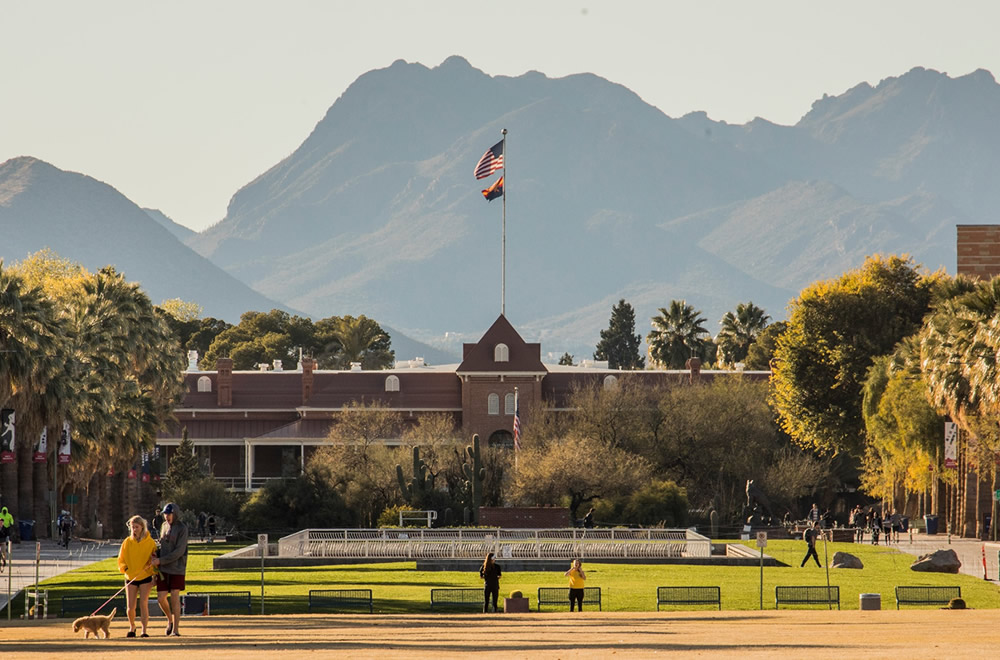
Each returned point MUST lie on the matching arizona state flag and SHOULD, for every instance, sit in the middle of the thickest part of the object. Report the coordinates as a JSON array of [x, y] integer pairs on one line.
[[494, 191]]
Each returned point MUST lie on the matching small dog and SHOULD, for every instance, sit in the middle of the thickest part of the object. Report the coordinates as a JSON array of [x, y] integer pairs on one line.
[[94, 623]]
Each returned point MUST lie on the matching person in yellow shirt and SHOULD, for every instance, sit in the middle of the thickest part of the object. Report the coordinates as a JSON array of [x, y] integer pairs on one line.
[[135, 561], [576, 580]]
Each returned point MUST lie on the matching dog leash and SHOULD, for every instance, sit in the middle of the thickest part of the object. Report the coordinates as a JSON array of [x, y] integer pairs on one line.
[[112, 598]]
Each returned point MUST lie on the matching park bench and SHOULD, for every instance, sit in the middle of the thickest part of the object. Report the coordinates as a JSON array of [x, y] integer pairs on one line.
[[216, 602], [688, 596], [76, 606], [926, 595], [442, 597], [815, 595], [338, 599], [560, 596]]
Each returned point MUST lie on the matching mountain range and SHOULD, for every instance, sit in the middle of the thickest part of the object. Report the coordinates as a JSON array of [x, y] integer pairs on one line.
[[377, 212]]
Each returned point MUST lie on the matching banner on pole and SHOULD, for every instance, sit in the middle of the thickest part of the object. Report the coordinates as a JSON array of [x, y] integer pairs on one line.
[[7, 435], [42, 447], [950, 445], [64, 442]]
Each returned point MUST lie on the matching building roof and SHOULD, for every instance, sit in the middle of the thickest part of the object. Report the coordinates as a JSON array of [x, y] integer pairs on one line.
[[522, 356]]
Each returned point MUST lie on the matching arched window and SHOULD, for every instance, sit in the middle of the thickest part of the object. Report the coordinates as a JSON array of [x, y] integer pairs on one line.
[[503, 439], [392, 383], [204, 384], [493, 404], [508, 404], [610, 382], [501, 353]]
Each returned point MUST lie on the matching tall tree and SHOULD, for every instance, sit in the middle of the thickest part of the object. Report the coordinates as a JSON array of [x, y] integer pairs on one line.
[[740, 330], [353, 339], [619, 344], [678, 334], [762, 350], [835, 331]]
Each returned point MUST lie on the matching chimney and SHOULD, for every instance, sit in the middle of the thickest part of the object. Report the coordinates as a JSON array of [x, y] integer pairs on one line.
[[278, 366], [225, 368], [694, 364], [308, 366], [192, 361]]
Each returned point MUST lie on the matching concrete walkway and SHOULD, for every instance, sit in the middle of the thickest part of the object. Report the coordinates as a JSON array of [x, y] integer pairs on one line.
[[969, 551], [53, 560]]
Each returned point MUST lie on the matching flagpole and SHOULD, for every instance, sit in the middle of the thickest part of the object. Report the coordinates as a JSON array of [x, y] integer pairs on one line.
[[517, 414], [503, 240]]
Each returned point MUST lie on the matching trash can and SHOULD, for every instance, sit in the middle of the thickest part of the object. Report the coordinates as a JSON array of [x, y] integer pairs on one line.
[[25, 528], [871, 601], [931, 524]]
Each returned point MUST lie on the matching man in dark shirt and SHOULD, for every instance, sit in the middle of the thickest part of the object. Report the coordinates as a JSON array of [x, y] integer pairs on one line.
[[809, 536]]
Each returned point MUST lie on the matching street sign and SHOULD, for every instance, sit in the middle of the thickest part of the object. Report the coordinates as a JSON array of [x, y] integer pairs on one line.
[[761, 539], [262, 542], [996, 495]]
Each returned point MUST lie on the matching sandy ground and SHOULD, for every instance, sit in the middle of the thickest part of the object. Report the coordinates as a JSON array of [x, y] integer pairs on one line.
[[906, 634]]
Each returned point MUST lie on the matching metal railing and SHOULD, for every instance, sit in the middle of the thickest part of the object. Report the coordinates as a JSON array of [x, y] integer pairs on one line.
[[409, 543]]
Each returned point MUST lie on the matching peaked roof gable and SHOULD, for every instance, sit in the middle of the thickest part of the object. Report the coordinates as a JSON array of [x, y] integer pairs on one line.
[[522, 356]]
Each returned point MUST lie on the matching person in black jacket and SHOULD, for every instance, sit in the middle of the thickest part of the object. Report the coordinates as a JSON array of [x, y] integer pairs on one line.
[[490, 573], [809, 536]]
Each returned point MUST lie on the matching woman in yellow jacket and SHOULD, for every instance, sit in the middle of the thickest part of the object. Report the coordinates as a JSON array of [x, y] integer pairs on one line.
[[134, 561]]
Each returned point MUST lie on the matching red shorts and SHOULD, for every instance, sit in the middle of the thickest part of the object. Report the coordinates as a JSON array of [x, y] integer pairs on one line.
[[169, 582]]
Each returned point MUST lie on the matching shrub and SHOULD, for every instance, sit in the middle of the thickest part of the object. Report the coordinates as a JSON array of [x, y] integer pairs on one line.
[[516, 594], [658, 503], [208, 495], [295, 504]]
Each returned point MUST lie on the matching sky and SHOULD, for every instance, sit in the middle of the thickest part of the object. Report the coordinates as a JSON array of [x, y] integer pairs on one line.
[[179, 104]]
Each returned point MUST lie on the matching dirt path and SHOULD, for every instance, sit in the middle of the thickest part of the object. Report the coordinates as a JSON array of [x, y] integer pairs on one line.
[[888, 633]]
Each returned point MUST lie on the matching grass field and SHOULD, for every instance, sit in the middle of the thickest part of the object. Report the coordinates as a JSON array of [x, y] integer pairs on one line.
[[400, 588]]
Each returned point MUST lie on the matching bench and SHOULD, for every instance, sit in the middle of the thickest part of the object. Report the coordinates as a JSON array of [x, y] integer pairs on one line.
[[560, 596], [76, 606], [337, 599], [456, 597], [688, 596], [926, 595], [816, 595], [215, 602]]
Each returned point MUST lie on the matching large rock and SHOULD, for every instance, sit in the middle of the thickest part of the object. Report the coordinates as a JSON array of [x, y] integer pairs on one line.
[[940, 561], [846, 560]]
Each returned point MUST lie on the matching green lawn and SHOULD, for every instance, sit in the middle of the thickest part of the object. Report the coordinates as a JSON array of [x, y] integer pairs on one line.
[[400, 588]]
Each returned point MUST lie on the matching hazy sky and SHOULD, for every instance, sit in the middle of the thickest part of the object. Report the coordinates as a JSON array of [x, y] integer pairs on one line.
[[179, 104]]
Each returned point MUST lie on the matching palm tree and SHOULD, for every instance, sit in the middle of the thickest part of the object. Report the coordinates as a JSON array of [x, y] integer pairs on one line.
[[678, 334], [740, 330], [351, 339]]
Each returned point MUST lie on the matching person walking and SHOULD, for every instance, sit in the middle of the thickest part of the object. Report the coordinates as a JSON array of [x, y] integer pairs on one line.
[[809, 536], [202, 519], [172, 563], [577, 578], [135, 561], [588, 520], [211, 527], [815, 517], [156, 524], [490, 573]]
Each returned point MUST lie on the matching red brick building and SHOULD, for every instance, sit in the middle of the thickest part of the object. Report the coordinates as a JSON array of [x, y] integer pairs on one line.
[[978, 251], [250, 426]]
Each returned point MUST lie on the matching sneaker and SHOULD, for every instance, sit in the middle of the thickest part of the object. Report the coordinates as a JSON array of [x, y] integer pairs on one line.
[[170, 629], [143, 635]]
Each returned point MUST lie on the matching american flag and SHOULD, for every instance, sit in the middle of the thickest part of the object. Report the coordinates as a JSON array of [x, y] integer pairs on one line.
[[491, 161], [517, 424]]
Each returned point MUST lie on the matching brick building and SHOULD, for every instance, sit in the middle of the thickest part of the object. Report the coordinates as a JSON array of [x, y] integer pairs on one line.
[[251, 426], [978, 251]]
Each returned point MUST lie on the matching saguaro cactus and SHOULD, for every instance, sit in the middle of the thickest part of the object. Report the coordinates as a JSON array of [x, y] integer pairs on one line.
[[475, 474], [415, 491]]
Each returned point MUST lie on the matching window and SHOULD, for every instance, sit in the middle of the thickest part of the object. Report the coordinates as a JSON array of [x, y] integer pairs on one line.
[[501, 353], [610, 382], [508, 404], [493, 404], [204, 384], [392, 384]]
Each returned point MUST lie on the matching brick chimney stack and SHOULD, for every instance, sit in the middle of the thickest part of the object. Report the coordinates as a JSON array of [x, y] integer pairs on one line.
[[694, 364], [308, 366], [225, 368]]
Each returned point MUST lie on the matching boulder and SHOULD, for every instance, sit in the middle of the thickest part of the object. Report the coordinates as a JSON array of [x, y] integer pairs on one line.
[[939, 561], [846, 560]]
